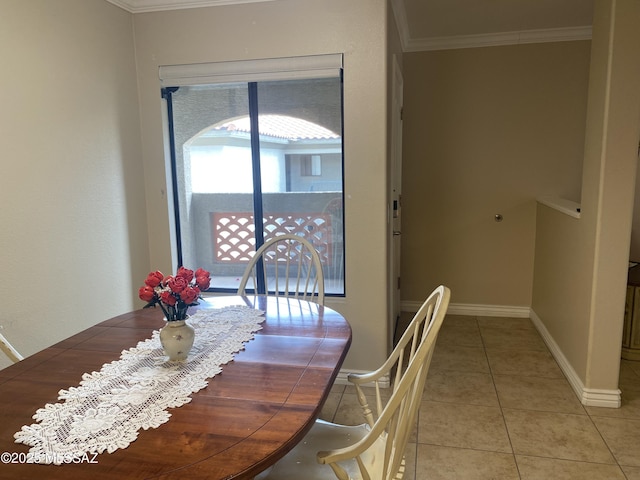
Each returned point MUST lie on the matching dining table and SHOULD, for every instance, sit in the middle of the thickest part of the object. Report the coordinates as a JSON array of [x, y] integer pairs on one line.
[[242, 420]]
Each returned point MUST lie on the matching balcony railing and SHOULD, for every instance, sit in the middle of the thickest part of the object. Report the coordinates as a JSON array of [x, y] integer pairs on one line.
[[222, 229], [234, 233]]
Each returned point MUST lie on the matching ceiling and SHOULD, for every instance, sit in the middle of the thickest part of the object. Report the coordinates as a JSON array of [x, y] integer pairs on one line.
[[442, 24]]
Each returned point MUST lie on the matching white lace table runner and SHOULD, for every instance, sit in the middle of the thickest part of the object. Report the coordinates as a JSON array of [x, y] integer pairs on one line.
[[109, 407]]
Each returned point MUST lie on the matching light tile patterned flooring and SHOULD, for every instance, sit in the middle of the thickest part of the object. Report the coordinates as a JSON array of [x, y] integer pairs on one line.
[[497, 406]]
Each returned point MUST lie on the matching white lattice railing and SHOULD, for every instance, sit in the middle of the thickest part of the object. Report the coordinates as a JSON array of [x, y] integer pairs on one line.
[[234, 239]]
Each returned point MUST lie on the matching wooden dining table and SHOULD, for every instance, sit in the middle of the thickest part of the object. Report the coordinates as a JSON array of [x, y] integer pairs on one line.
[[252, 413]]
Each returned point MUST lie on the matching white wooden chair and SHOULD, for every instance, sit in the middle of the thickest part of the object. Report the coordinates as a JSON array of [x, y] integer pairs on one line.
[[289, 266], [8, 349], [374, 450]]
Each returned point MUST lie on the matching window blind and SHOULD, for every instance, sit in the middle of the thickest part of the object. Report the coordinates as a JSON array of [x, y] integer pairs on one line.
[[314, 66]]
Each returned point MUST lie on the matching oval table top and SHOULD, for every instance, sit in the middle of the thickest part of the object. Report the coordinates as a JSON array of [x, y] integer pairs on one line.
[[248, 417]]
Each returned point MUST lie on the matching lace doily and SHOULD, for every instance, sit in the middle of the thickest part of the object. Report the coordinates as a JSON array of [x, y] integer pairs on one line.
[[109, 407]]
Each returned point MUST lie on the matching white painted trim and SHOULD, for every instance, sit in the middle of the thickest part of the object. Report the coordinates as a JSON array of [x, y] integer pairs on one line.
[[8, 349], [341, 379], [593, 397], [141, 6], [122, 4], [495, 39], [402, 24], [563, 205], [590, 397], [477, 310]]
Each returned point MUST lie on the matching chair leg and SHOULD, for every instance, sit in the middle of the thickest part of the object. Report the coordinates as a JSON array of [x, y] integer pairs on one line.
[[8, 349]]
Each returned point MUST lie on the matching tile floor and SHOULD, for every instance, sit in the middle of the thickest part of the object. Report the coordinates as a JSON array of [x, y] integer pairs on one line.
[[497, 406]]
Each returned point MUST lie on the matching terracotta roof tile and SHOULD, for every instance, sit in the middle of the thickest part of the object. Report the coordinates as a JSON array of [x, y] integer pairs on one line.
[[281, 126]]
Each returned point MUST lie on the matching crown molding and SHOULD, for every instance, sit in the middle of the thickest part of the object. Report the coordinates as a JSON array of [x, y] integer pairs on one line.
[[495, 39], [400, 15], [141, 6], [402, 24]]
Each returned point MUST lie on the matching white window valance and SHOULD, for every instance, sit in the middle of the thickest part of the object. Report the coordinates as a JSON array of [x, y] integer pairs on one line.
[[314, 66]]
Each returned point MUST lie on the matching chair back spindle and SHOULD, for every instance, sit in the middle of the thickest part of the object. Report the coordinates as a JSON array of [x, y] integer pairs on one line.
[[289, 266]]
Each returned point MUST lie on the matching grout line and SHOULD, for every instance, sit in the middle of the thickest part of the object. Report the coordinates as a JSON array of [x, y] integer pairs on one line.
[[493, 374], [495, 388]]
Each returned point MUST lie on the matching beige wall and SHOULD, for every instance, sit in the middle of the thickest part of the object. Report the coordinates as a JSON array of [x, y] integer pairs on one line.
[[279, 29], [487, 131], [562, 285], [73, 239], [634, 250], [581, 264]]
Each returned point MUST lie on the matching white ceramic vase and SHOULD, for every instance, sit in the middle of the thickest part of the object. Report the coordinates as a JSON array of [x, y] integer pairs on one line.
[[177, 338]]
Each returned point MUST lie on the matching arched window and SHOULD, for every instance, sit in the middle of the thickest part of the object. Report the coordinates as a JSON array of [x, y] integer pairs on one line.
[[220, 156]]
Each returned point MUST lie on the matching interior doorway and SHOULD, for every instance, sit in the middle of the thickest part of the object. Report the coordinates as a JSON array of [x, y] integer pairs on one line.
[[395, 198]]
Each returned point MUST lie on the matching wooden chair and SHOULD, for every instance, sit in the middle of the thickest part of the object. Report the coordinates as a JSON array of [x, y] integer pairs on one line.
[[288, 266], [374, 450], [8, 349]]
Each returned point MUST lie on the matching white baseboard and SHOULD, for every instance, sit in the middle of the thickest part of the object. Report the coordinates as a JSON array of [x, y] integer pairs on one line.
[[590, 397], [477, 310]]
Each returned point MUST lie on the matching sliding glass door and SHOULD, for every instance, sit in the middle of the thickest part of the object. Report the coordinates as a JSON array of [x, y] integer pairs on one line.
[[253, 160]]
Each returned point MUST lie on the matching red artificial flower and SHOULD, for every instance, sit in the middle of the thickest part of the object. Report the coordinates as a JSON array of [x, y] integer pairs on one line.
[[203, 282], [177, 284], [203, 279], [185, 273], [175, 294], [189, 295], [201, 272], [154, 279], [146, 293], [169, 298]]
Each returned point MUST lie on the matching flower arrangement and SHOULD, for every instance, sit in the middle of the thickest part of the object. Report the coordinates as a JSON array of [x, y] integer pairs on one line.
[[175, 294]]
